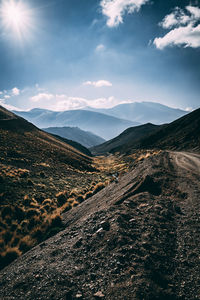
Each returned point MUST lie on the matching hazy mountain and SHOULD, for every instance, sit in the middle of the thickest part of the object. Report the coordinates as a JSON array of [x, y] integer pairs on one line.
[[85, 138], [98, 123], [126, 139], [143, 112], [182, 134]]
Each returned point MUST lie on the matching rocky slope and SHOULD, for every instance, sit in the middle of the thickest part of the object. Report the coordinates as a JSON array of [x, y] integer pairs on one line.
[[136, 239]]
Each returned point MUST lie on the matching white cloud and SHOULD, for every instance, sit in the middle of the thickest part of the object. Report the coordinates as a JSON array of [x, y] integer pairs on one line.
[[41, 96], [7, 96], [186, 30], [8, 106], [1, 92], [177, 17], [15, 91], [60, 102], [114, 10], [189, 109], [100, 48], [99, 83]]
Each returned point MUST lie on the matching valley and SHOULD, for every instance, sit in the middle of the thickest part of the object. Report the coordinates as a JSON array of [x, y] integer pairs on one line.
[[122, 223]]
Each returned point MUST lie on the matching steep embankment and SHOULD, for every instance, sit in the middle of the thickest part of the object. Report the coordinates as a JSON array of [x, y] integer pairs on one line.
[[136, 239]]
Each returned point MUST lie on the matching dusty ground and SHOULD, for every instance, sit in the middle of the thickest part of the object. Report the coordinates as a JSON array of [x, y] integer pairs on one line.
[[136, 239]]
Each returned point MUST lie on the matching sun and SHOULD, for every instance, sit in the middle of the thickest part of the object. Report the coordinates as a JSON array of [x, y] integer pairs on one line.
[[16, 17]]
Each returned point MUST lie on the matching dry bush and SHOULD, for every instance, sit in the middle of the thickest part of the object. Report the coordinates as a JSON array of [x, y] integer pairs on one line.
[[8, 256], [19, 214], [26, 201], [75, 203], [98, 187], [26, 243], [80, 198], [32, 213], [88, 195], [6, 211], [62, 198]]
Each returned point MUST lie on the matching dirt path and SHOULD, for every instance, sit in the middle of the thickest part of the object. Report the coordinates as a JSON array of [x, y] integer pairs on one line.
[[188, 161], [188, 225]]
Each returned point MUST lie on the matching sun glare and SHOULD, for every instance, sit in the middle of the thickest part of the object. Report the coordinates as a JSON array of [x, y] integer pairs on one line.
[[16, 17]]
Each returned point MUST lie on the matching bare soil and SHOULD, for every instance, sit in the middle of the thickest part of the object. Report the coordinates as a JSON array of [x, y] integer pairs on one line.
[[138, 238]]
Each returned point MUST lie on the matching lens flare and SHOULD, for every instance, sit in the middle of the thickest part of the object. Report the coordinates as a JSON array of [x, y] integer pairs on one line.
[[16, 18]]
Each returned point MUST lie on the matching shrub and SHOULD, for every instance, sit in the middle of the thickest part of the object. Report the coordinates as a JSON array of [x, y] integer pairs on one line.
[[62, 198], [56, 221], [80, 198], [88, 195], [98, 187], [7, 237], [10, 255], [31, 213], [19, 213], [6, 211]]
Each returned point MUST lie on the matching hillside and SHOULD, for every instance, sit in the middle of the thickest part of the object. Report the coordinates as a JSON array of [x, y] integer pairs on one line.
[[182, 134], [136, 239], [126, 139], [40, 176], [85, 138], [100, 124], [144, 112]]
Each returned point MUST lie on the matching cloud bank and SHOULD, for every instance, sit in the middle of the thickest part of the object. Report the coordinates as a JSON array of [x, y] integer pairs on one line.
[[115, 10], [99, 83], [185, 28]]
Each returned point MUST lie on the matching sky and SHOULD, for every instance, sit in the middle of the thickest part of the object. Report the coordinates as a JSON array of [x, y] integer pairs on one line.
[[70, 54]]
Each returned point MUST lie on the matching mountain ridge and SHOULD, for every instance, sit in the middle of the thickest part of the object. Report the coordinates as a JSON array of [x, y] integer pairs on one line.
[[100, 124], [144, 112], [86, 138]]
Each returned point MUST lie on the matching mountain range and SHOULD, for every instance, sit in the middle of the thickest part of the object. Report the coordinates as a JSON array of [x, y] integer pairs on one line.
[[181, 134], [105, 123], [100, 124], [86, 138], [143, 112]]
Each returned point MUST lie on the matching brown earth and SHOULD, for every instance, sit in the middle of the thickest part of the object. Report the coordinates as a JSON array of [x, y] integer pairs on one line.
[[136, 239]]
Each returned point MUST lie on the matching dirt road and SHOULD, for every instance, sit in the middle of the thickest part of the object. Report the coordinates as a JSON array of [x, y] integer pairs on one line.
[[188, 161]]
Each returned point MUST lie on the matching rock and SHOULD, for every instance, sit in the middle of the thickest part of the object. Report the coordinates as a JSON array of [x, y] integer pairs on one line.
[[105, 225], [99, 295], [79, 296]]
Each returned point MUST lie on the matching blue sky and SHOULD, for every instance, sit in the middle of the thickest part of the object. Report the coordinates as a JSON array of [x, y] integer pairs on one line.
[[68, 54]]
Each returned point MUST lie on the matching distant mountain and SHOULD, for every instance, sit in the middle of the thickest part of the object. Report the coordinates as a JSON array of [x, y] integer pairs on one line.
[[182, 134], [126, 139], [143, 112], [85, 138], [98, 123]]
